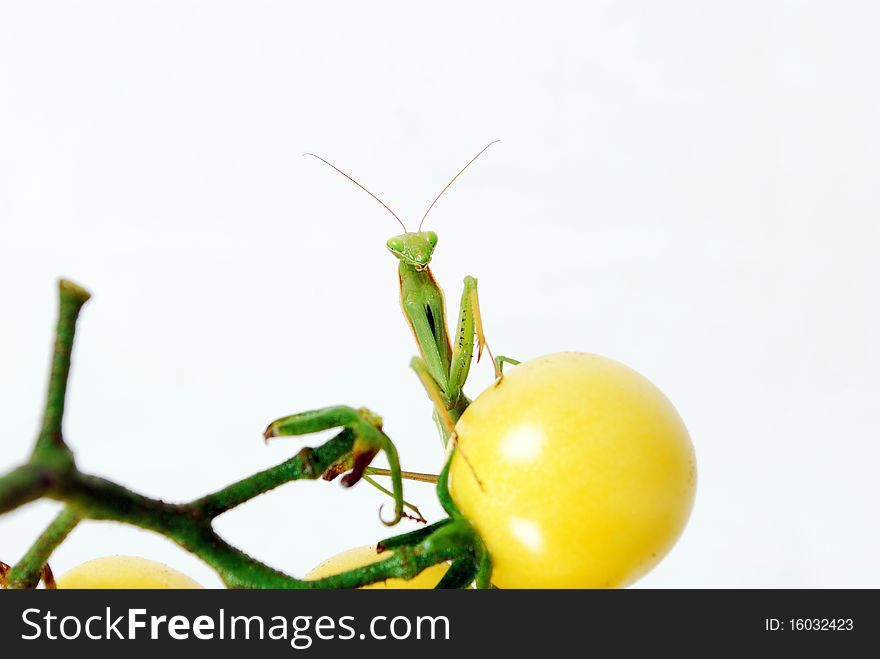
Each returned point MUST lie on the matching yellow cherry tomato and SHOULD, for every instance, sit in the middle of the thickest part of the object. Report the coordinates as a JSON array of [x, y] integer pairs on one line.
[[125, 572], [360, 556], [586, 473]]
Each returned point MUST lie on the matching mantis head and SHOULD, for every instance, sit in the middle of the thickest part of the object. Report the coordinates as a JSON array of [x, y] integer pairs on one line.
[[414, 248]]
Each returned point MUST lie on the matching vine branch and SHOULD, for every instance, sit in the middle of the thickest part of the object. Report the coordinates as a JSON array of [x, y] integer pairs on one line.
[[51, 472]]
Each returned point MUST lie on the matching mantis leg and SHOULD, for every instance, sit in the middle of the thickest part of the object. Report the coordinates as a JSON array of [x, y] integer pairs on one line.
[[443, 416], [470, 324], [417, 514], [366, 430], [500, 360]]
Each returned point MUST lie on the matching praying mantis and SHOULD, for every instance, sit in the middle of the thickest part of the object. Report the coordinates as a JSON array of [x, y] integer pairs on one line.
[[443, 363]]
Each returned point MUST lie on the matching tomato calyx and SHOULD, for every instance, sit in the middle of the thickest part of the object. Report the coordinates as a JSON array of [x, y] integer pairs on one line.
[[448, 538], [411, 538], [443, 494], [461, 574]]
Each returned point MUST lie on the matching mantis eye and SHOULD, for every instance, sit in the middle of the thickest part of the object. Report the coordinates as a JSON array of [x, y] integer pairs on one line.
[[395, 244], [432, 238]]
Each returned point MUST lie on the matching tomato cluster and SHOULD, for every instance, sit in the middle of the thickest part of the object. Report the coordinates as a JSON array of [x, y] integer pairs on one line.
[[574, 470]]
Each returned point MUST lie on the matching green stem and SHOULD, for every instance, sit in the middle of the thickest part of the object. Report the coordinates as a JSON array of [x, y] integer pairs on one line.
[[308, 464], [404, 563], [50, 446], [411, 538], [26, 573], [236, 568], [25, 484]]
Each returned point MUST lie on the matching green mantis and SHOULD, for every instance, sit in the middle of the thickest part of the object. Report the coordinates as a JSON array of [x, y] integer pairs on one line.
[[443, 363]]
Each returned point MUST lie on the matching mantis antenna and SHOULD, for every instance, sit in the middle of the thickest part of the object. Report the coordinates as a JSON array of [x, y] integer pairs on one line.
[[361, 187], [453, 181]]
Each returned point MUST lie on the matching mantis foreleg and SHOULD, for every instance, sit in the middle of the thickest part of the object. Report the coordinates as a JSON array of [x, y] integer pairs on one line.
[[500, 360], [443, 379], [470, 325]]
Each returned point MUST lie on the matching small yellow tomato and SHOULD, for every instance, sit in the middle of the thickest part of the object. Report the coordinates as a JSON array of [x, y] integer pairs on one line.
[[129, 572], [586, 473], [360, 556]]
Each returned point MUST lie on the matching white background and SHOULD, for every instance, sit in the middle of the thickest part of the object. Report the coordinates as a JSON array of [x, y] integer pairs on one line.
[[688, 187]]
